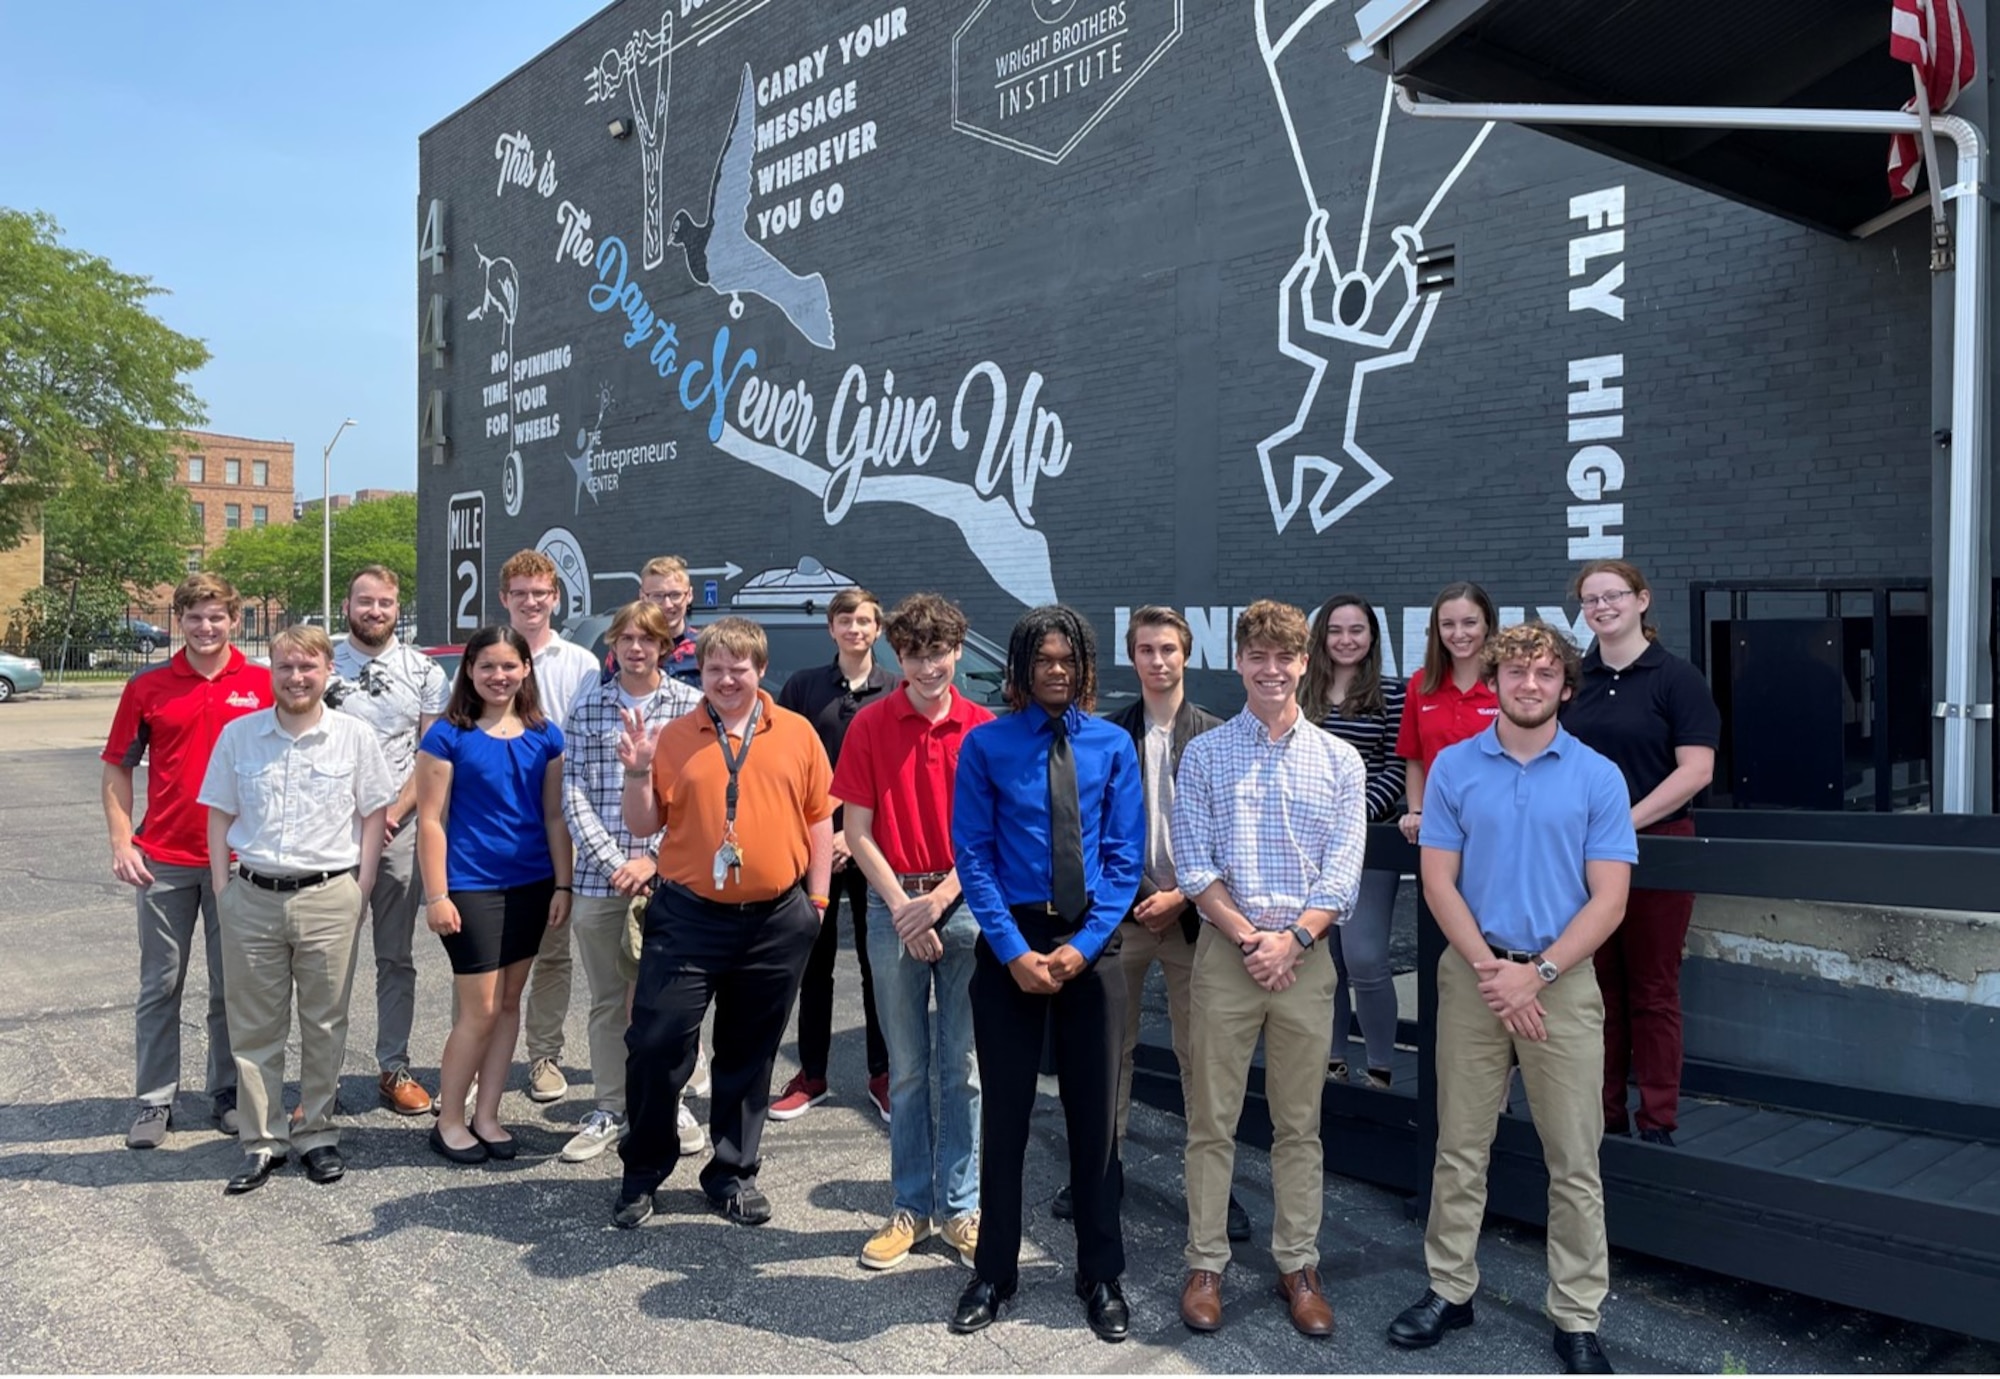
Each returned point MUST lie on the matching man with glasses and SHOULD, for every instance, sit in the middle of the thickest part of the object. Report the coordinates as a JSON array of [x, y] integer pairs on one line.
[[664, 583], [528, 591]]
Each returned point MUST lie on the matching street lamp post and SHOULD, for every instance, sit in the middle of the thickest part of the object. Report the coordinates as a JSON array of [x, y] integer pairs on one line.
[[326, 526]]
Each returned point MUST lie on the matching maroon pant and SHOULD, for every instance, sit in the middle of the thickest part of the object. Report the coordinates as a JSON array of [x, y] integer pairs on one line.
[[1639, 972]]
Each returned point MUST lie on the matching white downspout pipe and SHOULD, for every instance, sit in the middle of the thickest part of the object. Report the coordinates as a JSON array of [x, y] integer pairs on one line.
[[1969, 347]]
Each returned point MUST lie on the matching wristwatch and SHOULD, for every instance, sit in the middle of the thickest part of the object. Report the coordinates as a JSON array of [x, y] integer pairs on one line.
[[1545, 969], [1303, 935]]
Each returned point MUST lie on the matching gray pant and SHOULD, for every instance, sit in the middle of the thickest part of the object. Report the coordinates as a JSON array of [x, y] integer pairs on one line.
[[168, 909], [393, 906], [1361, 958], [599, 923], [546, 1005]]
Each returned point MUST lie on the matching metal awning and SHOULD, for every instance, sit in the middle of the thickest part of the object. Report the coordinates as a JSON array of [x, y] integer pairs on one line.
[[1774, 54]]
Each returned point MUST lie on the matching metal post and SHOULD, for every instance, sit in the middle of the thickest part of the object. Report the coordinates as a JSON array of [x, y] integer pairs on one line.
[[326, 526]]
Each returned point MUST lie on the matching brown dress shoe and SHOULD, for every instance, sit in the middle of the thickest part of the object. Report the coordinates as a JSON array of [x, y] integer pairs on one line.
[[1312, 1314], [1201, 1301], [402, 1093]]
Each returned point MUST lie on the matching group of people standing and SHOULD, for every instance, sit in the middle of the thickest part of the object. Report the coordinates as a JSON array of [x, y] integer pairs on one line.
[[1008, 880]]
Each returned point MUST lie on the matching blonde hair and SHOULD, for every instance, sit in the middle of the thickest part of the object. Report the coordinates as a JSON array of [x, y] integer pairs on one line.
[[664, 565], [737, 637], [302, 637], [650, 621]]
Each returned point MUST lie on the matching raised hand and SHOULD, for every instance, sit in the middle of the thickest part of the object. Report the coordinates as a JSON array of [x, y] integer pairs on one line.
[[636, 741]]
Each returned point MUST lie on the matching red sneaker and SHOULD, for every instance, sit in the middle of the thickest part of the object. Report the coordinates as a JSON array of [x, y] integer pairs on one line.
[[878, 1092], [801, 1094]]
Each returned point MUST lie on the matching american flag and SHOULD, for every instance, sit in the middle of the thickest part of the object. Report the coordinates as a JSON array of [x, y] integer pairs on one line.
[[1932, 37]]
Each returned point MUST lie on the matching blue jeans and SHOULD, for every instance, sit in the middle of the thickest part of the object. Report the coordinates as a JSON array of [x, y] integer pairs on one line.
[[929, 1162]]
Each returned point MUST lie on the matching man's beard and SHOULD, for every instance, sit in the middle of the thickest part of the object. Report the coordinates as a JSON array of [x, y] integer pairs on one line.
[[360, 634], [1549, 710]]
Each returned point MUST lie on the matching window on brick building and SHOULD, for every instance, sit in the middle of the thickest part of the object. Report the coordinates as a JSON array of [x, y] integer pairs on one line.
[[260, 473], [197, 468], [200, 514], [232, 516], [232, 471], [259, 515], [194, 562]]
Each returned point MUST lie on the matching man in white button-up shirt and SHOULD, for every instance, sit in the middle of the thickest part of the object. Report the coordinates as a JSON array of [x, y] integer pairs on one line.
[[298, 794], [1270, 824]]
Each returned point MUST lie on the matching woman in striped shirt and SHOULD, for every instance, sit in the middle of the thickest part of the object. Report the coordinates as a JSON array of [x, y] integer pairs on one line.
[[1344, 693]]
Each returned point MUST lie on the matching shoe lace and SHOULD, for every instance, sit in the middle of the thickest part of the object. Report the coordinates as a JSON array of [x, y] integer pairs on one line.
[[599, 1123], [903, 1220], [151, 1113]]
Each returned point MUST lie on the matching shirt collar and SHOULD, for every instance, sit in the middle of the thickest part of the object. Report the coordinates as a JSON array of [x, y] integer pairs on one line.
[[268, 725], [764, 724], [180, 665], [1073, 719], [1489, 743], [1252, 727], [903, 708], [1652, 657]]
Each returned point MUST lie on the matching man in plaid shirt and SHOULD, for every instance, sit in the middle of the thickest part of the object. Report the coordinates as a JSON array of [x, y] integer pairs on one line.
[[613, 866], [1269, 827]]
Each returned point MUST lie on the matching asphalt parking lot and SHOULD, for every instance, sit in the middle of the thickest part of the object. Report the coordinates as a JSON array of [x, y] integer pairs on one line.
[[118, 1260]]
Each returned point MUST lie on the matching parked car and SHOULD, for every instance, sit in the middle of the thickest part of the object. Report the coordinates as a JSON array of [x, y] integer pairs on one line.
[[18, 675], [146, 637], [447, 658]]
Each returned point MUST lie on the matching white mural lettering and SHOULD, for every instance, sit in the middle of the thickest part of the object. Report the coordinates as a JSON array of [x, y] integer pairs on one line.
[[622, 70], [1596, 409], [515, 153], [576, 246]]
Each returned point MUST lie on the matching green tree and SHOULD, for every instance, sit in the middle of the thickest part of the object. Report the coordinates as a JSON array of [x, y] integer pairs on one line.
[[86, 371], [281, 564]]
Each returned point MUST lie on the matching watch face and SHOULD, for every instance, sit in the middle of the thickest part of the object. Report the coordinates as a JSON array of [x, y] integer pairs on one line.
[[1548, 971]]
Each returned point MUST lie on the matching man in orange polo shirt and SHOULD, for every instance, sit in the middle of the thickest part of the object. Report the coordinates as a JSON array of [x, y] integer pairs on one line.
[[739, 786]]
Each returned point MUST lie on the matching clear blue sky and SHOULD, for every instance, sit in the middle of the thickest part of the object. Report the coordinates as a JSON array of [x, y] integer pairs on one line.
[[259, 161]]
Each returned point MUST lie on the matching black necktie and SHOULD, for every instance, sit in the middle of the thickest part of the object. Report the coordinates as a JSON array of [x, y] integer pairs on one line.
[[1065, 829]]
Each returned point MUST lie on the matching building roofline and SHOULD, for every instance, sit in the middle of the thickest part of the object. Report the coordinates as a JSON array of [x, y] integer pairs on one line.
[[446, 119]]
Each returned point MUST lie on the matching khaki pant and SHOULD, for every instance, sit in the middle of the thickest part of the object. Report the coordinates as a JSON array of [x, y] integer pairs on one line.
[[1297, 1025], [1563, 1077], [272, 942], [546, 1005], [1176, 958], [599, 922]]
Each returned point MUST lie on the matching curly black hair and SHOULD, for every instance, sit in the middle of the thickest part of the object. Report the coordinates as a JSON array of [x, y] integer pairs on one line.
[[1026, 640]]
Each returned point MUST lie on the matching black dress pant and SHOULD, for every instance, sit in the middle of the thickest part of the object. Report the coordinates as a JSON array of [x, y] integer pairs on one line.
[[816, 994], [1087, 1016], [747, 960]]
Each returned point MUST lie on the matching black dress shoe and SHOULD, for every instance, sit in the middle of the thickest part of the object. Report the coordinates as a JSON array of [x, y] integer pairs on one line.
[[1653, 1134], [324, 1164], [1239, 1221], [1581, 1354], [978, 1305], [497, 1149], [1064, 1207], [746, 1206], [258, 1166], [475, 1153], [1423, 1323], [1104, 1304]]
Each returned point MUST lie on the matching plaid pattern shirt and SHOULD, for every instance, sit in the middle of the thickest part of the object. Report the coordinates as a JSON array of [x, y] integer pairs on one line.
[[594, 778], [1282, 822]]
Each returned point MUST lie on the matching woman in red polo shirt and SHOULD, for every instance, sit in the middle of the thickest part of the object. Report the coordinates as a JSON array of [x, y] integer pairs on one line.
[[1652, 714], [1449, 699]]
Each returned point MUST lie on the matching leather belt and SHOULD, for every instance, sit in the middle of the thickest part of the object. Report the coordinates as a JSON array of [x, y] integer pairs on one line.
[[920, 882], [290, 883], [1513, 954], [1045, 909]]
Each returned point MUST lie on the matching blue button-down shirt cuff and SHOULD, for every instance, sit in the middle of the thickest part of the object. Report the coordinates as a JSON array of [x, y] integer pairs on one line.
[[1004, 938]]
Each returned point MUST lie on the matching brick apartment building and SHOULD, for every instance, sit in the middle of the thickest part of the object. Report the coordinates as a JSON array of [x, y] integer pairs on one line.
[[233, 482]]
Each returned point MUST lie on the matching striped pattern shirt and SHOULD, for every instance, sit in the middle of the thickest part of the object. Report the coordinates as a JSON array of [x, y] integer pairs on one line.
[[1281, 822], [1374, 736], [594, 778]]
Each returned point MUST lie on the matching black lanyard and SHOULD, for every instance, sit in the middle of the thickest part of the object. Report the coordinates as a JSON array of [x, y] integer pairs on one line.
[[733, 759]]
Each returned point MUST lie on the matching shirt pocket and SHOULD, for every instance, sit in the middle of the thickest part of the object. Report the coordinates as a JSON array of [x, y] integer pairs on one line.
[[330, 785], [260, 787]]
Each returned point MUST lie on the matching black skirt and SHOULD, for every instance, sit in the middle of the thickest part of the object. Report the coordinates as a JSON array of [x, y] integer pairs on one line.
[[497, 929]]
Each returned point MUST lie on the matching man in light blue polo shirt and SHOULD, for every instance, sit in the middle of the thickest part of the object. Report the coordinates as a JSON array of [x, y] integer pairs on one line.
[[1527, 856]]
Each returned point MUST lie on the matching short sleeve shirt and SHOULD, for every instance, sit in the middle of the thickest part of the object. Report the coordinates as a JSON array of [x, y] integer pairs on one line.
[[392, 690], [1639, 714], [298, 801], [1433, 722], [562, 670], [781, 792], [902, 767], [495, 834], [170, 717], [1524, 831]]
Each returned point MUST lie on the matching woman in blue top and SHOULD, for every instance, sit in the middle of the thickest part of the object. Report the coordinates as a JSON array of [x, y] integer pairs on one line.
[[489, 822], [1343, 691]]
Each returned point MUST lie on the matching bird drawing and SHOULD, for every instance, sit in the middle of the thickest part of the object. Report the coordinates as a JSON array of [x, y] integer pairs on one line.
[[722, 256]]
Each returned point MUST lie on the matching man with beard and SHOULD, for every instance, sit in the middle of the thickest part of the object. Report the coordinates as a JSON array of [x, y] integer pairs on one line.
[[1527, 856], [399, 692]]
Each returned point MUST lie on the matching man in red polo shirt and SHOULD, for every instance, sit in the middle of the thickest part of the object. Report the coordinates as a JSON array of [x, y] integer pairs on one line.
[[897, 770], [170, 717]]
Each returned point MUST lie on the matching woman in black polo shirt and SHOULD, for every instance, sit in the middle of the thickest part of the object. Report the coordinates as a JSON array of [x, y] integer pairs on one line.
[[1651, 713]]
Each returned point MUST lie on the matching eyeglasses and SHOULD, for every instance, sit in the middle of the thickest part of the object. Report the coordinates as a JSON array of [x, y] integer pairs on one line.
[[668, 596], [532, 595], [1610, 600]]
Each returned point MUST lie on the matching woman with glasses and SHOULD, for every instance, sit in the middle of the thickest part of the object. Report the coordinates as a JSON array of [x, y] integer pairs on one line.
[[1650, 712], [1449, 699], [1344, 693]]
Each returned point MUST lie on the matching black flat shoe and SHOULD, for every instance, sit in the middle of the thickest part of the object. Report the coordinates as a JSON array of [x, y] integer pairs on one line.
[[978, 1305], [1581, 1354], [1239, 1221], [1104, 1304], [1423, 1323], [472, 1154], [1064, 1206], [258, 1166], [1653, 1135], [324, 1164], [746, 1207], [498, 1149]]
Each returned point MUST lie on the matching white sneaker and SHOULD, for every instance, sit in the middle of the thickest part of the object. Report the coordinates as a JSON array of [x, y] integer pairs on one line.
[[599, 1131], [700, 1085], [693, 1138]]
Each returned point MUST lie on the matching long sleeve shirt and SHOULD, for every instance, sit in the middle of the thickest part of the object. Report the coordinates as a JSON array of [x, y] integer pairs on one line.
[[1000, 824], [1374, 736], [594, 778], [1281, 822]]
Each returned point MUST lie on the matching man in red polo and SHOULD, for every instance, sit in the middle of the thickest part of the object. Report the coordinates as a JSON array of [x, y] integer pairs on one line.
[[897, 771], [170, 717]]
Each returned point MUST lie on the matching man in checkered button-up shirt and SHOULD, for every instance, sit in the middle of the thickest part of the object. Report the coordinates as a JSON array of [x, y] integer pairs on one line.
[[1269, 827]]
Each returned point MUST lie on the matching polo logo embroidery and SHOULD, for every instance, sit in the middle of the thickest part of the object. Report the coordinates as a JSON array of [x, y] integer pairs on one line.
[[1488, 712], [240, 700]]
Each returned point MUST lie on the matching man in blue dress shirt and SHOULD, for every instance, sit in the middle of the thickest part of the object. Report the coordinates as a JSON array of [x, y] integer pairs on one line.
[[1049, 833], [1527, 856]]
